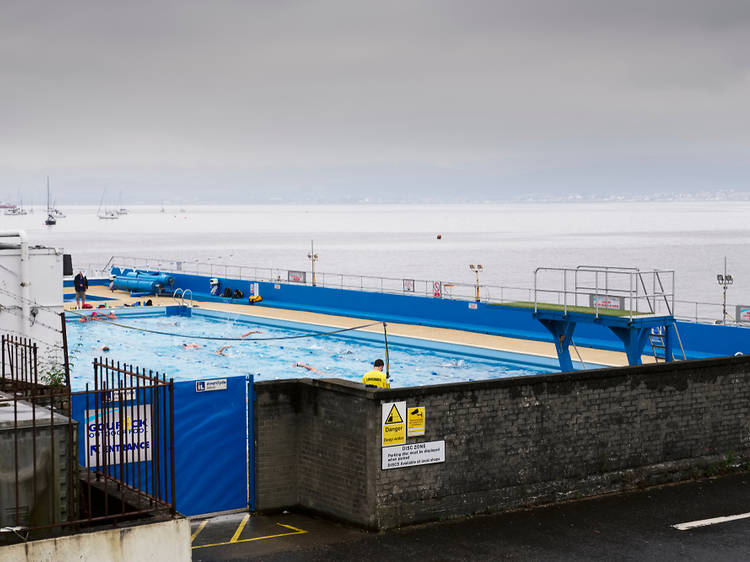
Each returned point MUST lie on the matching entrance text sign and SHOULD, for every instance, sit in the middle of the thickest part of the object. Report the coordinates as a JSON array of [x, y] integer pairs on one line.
[[394, 423], [125, 430], [414, 454], [416, 422]]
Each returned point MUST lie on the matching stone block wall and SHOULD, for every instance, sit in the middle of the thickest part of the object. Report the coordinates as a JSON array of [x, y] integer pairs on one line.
[[312, 448], [508, 442]]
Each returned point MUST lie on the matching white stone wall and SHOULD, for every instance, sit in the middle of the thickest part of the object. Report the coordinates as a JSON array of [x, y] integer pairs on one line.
[[159, 542]]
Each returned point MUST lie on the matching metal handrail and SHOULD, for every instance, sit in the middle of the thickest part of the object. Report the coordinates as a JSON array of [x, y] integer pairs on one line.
[[633, 276], [685, 310]]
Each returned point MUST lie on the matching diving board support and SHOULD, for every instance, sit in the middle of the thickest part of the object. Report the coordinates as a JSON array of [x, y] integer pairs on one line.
[[634, 334], [634, 339], [562, 332]]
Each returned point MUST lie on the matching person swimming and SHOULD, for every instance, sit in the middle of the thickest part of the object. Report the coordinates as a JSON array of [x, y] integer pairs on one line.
[[309, 368], [251, 332], [190, 346], [222, 349]]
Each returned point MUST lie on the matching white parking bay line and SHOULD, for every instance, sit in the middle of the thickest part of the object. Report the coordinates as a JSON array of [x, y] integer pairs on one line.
[[707, 522]]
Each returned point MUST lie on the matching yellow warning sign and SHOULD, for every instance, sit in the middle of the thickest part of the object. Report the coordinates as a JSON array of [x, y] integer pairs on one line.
[[416, 419], [394, 416], [394, 426]]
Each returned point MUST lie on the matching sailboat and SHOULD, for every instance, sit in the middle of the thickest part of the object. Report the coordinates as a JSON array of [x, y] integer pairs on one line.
[[106, 214], [121, 210], [57, 212], [50, 221], [17, 210]]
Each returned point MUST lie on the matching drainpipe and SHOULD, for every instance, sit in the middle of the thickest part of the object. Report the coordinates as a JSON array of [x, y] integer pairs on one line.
[[24, 276]]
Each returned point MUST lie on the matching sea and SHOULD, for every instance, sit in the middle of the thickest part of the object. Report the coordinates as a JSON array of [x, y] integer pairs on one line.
[[425, 241]]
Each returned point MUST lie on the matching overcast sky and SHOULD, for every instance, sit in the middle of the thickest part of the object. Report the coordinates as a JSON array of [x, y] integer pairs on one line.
[[453, 100]]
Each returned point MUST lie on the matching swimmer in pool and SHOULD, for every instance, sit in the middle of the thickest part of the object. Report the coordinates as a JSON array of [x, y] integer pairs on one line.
[[190, 346], [311, 369], [453, 363], [222, 349], [251, 332]]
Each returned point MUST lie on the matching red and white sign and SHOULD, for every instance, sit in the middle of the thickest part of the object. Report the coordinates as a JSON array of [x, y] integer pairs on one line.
[[604, 301], [437, 289], [296, 276]]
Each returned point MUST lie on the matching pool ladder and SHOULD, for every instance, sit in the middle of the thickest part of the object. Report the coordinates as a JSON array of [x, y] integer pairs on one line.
[[181, 294]]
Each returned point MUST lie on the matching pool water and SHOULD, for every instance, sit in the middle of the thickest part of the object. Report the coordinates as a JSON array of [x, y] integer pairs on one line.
[[347, 355]]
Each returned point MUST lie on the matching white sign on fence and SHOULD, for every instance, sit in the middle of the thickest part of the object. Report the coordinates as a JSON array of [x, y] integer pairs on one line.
[[210, 385], [607, 301], [414, 454], [118, 431]]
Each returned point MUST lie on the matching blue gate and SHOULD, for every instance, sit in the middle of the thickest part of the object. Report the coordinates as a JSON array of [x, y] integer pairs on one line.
[[213, 425]]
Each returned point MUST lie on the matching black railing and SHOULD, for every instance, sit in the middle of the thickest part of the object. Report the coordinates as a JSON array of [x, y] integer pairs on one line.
[[126, 423], [130, 442]]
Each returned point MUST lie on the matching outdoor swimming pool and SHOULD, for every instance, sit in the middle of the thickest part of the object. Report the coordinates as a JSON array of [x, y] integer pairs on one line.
[[345, 355]]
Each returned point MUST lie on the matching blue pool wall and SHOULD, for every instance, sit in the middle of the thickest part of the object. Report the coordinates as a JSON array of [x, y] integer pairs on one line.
[[699, 340], [92, 282]]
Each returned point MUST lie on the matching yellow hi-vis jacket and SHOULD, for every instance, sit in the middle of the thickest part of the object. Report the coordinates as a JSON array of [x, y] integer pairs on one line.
[[375, 378]]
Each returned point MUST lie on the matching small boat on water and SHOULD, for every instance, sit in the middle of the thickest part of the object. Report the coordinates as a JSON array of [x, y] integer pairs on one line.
[[50, 220], [56, 212], [120, 209], [15, 211], [105, 213]]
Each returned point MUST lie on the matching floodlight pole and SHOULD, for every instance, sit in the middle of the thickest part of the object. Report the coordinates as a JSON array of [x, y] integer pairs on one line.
[[313, 258], [476, 269], [724, 281]]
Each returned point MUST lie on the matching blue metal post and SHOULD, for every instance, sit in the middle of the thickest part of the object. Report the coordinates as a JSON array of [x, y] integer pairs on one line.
[[250, 400], [562, 334], [634, 339]]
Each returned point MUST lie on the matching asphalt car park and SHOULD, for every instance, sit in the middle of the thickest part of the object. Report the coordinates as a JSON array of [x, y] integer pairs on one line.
[[701, 520]]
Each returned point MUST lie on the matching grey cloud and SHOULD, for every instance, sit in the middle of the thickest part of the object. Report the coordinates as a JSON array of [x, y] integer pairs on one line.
[[342, 96]]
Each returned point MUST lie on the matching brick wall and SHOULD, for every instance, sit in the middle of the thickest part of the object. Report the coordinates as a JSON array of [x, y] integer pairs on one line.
[[508, 442], [312, 448]]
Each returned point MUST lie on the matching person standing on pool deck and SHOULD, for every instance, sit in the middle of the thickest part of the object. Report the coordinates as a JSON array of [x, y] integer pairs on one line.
[[376, 377], [81, 284]]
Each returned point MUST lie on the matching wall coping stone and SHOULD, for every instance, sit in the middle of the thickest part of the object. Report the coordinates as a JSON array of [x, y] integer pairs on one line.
[[655, 371]]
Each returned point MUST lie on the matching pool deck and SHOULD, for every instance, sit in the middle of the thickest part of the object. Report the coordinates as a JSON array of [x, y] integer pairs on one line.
[[444, 335]]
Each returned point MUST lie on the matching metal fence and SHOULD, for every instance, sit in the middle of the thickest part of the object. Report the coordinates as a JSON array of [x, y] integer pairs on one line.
[[606, 289], [43, 489], [686, 310], [129, 440]]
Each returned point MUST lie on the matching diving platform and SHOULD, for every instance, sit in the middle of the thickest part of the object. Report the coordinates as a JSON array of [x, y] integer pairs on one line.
[[636, 306]]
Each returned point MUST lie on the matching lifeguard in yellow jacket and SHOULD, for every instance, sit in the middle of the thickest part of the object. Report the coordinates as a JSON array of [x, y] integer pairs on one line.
[[376, 377]]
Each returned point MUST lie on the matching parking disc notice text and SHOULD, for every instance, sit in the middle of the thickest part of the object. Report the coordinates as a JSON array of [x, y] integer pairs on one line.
[[414, 454]]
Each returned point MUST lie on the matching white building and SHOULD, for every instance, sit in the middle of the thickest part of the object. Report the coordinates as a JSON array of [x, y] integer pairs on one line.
[[31, 297]]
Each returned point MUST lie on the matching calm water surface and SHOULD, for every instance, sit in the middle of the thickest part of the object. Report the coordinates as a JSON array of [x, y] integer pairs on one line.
[[510, 240]]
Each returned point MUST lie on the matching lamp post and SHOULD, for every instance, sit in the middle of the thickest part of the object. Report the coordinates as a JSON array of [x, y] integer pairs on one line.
[[724, 281], [313, 257], [476, 269]]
